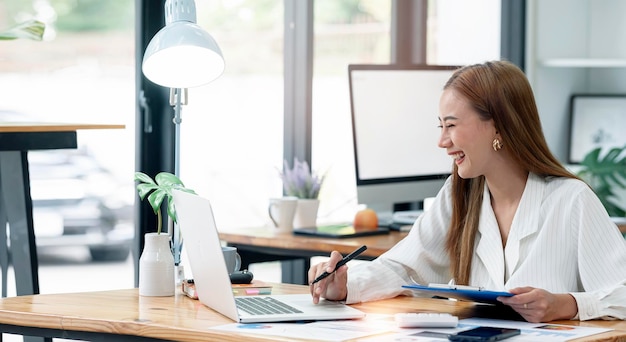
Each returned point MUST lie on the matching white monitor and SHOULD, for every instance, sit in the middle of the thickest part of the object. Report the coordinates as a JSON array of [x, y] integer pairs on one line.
[[395, 132]]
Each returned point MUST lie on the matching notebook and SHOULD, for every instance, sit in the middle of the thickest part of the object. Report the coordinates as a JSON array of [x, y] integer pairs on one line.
[[339, 231], [202, 244]]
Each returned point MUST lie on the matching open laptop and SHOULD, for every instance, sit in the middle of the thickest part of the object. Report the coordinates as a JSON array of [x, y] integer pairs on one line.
[[204, 251]]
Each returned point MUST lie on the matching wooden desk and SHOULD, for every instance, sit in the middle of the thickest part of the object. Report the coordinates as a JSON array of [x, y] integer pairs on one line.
[[16, 139], [267, 244], [124, 315], [263, 244]]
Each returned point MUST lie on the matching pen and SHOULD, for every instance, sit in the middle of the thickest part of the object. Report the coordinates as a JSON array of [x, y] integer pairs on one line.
[[341, 263]]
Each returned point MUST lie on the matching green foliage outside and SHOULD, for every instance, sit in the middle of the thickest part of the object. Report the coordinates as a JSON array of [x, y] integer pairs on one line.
[[94, 15], [74, 15], [90, 15]]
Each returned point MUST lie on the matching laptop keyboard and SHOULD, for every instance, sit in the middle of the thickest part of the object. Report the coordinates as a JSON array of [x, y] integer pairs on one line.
[[264, 306]]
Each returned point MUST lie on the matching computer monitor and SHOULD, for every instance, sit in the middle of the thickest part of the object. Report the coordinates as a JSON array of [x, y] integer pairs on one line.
[[395, 133]]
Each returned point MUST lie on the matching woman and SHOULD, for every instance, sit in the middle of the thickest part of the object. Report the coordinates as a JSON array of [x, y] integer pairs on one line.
[[510, 217]]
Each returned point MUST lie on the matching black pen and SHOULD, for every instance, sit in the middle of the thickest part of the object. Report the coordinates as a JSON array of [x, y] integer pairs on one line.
[[341, 263]]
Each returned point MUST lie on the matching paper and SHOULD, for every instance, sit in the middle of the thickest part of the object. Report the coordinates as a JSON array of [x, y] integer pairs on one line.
[[333, 331], [257, 287], [530, 332], [383, 328], [537, 331]]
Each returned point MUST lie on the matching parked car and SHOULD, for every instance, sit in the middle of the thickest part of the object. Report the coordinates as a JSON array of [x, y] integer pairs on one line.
[[77, 202]]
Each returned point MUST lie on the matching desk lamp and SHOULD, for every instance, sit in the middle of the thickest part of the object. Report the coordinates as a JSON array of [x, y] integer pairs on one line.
[[180, 56]]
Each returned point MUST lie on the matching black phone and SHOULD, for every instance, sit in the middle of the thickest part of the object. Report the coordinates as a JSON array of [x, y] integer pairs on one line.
[[484, 334]]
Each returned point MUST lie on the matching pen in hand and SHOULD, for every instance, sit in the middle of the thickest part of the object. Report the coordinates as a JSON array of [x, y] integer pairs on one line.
[[341, 263]]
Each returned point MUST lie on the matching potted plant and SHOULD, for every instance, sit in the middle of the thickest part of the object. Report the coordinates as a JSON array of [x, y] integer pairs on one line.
[[299, 181], [159, 189], [156, 264], [604, 174]]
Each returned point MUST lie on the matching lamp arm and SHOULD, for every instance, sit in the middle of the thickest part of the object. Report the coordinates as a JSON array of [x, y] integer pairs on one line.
[[178, 98]]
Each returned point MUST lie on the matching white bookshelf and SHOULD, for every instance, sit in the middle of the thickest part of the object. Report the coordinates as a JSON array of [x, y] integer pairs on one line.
[[573, 47]]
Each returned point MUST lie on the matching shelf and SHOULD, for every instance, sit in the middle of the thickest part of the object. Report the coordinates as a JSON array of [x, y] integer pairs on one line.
[[584, 62]]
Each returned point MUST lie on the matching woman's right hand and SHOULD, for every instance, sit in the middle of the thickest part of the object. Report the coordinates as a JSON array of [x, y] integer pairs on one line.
[[333, 287]]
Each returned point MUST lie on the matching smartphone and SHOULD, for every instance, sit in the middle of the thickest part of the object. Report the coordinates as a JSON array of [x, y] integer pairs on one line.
[[484, 334]]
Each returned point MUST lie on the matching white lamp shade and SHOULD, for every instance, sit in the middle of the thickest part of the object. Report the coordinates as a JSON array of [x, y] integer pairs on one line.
[[182, 55]]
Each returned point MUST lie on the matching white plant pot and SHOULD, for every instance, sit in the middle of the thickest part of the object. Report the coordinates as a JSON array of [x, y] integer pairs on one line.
[[306, 213], [156, 266]]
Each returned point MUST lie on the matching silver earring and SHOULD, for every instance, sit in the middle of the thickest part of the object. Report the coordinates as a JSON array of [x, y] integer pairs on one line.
[[497, 145]]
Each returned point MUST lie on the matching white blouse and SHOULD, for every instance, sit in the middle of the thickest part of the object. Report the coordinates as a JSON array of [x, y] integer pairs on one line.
[[561, 240]]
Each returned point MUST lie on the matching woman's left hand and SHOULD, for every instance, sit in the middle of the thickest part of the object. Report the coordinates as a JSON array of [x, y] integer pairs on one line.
[[537, 305]]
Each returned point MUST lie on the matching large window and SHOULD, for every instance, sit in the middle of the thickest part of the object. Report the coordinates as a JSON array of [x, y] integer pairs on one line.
[[345, 32], [232, 129], [82, 72], [463, 32], [358, 32]]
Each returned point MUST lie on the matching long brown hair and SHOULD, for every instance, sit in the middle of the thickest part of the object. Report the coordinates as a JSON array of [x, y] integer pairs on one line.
[[497, 90]]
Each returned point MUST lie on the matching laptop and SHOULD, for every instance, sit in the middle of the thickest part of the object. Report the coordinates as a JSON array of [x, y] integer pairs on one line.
[[212, 282]]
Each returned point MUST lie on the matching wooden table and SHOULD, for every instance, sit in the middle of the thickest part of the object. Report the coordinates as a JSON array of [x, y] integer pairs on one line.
[[16, 139], [263, 244], [123, 315], [294, 251]]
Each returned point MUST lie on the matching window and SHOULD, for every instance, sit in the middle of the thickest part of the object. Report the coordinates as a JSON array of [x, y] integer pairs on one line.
[[358, 32], [82, 72], [463, 32], [345, 32], [232, 128]]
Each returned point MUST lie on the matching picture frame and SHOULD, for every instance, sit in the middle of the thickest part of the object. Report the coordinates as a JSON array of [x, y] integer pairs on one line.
[[596, 120]]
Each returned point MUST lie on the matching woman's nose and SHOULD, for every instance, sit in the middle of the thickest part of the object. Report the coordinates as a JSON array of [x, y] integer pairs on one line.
[[444, 141]]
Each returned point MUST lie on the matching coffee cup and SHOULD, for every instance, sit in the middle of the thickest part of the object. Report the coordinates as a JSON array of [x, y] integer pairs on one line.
[[232, 259], [282, 211]]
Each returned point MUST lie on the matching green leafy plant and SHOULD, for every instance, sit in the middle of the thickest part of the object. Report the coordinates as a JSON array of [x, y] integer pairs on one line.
[[299, 181], [32, 29], [604, 174], [157, 190]]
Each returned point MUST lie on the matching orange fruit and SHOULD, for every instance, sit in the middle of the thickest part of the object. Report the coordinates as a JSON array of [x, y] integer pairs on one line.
[[366, 219]]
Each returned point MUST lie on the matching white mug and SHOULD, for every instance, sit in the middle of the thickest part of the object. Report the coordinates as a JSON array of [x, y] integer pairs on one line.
[[282, 211], [232, 259]]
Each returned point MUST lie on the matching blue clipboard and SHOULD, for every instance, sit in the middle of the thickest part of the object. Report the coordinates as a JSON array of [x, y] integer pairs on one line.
[[461, 292]]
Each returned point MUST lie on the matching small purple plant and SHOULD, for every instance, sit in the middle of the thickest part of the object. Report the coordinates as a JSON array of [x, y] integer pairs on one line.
[[299, 181]]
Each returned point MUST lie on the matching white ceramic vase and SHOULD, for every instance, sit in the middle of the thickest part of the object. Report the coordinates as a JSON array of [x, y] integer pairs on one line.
[[306, 213], [156, 266]]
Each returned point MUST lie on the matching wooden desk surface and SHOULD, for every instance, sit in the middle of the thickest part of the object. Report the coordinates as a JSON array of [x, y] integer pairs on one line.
[[26, 127], [269, 237], [124, 312]]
